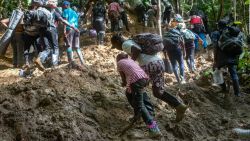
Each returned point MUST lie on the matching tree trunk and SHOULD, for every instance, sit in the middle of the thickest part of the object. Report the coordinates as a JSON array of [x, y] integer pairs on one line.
[[221, 11], [159, 17]]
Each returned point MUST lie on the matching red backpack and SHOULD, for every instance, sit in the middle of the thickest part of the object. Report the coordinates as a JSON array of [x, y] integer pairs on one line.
[[196, 20]]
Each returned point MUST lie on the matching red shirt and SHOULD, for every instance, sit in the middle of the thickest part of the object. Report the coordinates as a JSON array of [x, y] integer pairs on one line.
[[114, 6]]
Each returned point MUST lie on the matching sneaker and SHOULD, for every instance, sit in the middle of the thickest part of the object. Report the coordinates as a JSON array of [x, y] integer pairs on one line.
[[154, 131]]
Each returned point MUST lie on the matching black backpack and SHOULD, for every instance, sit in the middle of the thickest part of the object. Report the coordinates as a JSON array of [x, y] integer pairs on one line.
[[150, 43], [231, 41], [98, 11], [39, 18], [172, 39]]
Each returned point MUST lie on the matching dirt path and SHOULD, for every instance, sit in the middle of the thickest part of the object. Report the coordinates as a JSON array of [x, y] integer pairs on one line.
[[68, 105]]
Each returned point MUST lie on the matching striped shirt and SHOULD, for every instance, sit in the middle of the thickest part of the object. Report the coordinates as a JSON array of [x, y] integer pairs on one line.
[[132, 71]]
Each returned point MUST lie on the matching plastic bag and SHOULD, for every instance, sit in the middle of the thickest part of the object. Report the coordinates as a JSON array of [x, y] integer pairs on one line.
[[218, 77], [209, 41]]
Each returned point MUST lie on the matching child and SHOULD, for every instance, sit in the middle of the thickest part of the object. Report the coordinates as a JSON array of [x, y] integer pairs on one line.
[[136, 80]]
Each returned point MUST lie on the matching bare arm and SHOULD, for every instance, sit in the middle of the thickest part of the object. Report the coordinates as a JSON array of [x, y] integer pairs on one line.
[[124, 83], [135, 52], [65, 22]]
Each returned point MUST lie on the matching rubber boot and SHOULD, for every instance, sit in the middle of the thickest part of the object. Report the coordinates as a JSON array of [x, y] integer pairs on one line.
[[79, 53], [101, 37], [70, 55], [236, 87], [180, 112]]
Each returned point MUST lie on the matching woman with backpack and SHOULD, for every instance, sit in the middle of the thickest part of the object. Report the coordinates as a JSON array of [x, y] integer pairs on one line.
[[153, 65], [135, 79]]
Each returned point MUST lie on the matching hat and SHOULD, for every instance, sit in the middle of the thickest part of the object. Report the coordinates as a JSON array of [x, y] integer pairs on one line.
[[66, 3], [39, 2]]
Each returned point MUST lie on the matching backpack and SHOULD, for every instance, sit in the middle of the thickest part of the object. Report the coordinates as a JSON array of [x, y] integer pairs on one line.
[[198, 28], [98, 11], [231, 43], [40, 18], [150, 43], [188, 35], [172, 39]]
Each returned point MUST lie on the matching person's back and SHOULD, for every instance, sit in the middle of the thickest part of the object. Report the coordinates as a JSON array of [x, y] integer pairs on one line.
[[131, 69], [71, 16], [114, 6], [98, 11]]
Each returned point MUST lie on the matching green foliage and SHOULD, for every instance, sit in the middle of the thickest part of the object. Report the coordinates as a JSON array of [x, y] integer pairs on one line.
[[7, 6], [208, 72], [244, 62]]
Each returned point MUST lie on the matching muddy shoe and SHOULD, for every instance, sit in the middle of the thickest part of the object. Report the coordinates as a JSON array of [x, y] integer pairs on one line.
[[154, 131], [180, 112], [39, 64]]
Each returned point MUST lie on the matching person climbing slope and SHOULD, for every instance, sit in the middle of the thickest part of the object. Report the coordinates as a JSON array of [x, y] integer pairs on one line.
[[135, 79], [153, 65]]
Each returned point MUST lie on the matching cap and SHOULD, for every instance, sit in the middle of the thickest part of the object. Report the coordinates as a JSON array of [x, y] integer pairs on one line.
[[66, 3]]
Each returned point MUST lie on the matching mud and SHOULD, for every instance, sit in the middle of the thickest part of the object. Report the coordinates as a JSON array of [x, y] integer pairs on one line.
[[89, 105]]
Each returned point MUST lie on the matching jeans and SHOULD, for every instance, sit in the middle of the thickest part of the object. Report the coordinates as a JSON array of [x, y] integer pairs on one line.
[[190, 58], [175, 56], [141, 104], [52, 35]]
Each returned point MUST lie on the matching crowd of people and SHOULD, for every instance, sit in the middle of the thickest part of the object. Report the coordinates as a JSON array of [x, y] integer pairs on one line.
[[140, 62]]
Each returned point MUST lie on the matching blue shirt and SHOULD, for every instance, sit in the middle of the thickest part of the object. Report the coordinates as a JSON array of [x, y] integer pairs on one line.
[[71, 16]]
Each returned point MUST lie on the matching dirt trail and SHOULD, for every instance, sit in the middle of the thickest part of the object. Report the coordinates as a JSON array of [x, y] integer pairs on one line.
[[67, 105]]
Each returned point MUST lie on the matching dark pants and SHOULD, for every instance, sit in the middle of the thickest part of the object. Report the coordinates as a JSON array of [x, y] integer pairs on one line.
[[52, 36], [114, 19], [140, 12], [233, 73], [175, 56], [28, 41], [140, 101], [190, 58], [18, 49], [99, 26], [166, 16], [124, 18]]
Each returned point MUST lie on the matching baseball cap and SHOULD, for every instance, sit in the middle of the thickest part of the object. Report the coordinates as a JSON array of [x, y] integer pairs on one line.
[[66, 3]]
